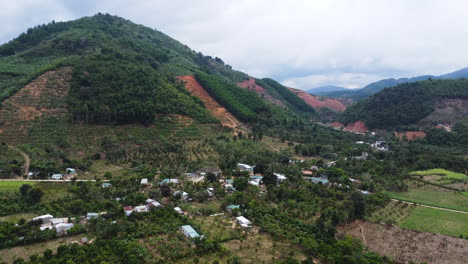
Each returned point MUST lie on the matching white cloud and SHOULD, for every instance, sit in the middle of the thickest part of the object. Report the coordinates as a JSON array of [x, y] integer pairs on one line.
[[335, 42]]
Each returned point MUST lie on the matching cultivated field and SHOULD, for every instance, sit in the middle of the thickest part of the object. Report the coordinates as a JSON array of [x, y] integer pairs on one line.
[[448, 199], [12, 186], [443, 177], [408, 245]]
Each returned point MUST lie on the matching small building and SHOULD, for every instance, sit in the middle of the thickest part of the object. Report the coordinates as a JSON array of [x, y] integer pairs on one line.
[[56, 221], [168, 181], [232, 207], [57, 176], [63, 227], [141, 209], [255, 180], [245, 167], [106, 185], [365, 192], [178, 210], [228, 185], [144, 181], [90, 216], [183, 195], [45, 218], [280, 177], [128, 210], [42, 228], [70, 171], [154, 204], [314, 168], [322, 180], [307, 173], [244, 222], [189, 232]]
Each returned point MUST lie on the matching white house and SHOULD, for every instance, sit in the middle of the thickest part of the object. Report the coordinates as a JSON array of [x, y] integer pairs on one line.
[[280, 177], [56, 221], [57, 176], [63, 227], [141, 209], [144, 181], [70, 170], [90, 216], [245, 167], [177, 209], [45, 218], [244, 222]]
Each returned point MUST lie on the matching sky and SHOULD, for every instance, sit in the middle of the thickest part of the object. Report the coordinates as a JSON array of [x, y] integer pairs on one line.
[[301, 43]]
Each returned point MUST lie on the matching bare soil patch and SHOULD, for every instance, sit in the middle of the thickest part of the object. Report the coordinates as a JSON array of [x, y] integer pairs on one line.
[[320, 102], [410, 135], [357, 126], [218, 111], [408, 245], [252, 86]]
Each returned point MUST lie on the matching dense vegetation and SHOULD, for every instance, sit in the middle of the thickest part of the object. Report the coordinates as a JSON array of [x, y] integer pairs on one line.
[[244, 104], [405, 104], [291, 98]]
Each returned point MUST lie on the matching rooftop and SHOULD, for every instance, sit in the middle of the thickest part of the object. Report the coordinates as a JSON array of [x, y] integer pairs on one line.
[[190, 231]]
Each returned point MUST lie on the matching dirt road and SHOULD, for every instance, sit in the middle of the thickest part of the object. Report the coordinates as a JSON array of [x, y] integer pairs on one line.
[[27, 161]]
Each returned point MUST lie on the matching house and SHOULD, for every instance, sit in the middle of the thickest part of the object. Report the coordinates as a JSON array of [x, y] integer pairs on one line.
[[232, 207], [228, 185], [244, 222], [90, 216], [280, 177], [167, 181], [307, 173], [141, 209], [56, 221], [190, 174], [314, 168], [57, 176], [42, 228], [45, 218], [183, 195], [70, 171], [144, 181], [152, 203], [365, 192], [322, 180], [380, 145], [245, 167], [329, 164], [106, 185], [177, 209], [255, 180], [128, 210], [210, 192], [63, 227], [189, 232], [360, 142]]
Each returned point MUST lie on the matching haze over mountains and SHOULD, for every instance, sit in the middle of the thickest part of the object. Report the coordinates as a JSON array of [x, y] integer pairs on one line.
[[372, 88]]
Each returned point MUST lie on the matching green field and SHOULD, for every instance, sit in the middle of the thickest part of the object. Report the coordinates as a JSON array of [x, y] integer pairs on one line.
[[12, 186], [442, 172], [451, 200], [421, 218], [437, 221]]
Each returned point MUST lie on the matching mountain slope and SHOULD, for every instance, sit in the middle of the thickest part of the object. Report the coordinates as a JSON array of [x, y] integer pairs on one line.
[[419, 103], [375, 87], [326, 89]]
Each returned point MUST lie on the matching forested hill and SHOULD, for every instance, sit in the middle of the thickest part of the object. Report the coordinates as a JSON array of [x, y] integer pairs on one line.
[[420, 103], [123, 72]]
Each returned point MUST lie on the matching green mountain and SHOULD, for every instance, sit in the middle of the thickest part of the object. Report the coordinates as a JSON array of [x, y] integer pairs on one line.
[[420, 103]]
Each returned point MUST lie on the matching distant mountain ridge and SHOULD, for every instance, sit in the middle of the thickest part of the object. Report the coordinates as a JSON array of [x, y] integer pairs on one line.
[[325, 89], [375, 87]]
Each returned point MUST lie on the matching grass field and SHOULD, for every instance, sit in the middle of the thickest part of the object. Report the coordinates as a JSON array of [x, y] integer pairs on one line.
[[442, 172], [451, 200], [16, 217], [420, 218], [12, 186], [52, 190]]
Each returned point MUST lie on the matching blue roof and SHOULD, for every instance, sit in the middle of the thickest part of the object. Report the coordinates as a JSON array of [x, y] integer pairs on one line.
[[190, 231], [230, 181], [317, 180], [233, 206], [256, 177]]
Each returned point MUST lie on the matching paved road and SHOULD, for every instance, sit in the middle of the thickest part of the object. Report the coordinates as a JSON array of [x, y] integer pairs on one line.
[[435, 207]]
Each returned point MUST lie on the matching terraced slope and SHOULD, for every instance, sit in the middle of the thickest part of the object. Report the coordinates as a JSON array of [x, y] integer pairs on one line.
[[218, 111], [43, 97]]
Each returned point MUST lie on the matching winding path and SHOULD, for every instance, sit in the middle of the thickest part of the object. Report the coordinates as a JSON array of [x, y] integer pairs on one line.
[[27, 161]]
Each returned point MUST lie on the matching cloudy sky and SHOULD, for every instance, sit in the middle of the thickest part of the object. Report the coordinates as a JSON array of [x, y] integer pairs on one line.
[[301, 43]]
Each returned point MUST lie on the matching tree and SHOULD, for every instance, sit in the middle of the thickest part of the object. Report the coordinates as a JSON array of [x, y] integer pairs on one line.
[[35, 195], [24, 189], [269, 178], [211, 177], [241, 183], [165, 190]]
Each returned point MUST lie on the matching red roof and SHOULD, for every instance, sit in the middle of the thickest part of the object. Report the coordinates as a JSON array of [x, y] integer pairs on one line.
[[128, 208]]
